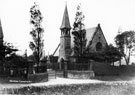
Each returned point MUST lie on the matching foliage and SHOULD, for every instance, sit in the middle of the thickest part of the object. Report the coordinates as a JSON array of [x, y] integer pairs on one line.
[[17, 60], [79, 33], [9, 56], [110, 54], [9, 49], [31, 58], [126, 44], [6, 51], [2, 52], [37, 33]]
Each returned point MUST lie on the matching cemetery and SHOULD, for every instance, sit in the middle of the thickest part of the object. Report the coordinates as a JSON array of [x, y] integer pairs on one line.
[[86, 63]]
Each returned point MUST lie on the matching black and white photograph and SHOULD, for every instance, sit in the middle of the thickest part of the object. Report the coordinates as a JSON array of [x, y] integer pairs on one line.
[[67, 47]]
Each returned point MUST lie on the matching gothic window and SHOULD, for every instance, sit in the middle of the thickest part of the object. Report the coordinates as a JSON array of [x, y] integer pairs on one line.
[[98, 46]]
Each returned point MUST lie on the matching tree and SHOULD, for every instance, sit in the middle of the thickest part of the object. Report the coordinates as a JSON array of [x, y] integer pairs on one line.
[[6, 51], [79, 33], [17, 60], [2, 52], [110, 55], [37, 33], [126, 44]]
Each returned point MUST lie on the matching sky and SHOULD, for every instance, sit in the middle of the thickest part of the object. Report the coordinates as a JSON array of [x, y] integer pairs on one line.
[[113, 15]]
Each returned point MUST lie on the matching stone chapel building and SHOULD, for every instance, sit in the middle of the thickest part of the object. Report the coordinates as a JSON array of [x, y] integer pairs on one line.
[[96, 41]]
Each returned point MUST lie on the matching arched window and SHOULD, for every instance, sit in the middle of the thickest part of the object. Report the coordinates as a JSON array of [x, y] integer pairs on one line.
[[98, 46]]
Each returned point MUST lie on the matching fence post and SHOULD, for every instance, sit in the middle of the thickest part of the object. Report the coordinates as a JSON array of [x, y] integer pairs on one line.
[[65, 68], [92, 74], [91, 65]]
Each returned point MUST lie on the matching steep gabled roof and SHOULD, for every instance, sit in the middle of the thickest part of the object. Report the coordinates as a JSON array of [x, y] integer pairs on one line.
[[65, 21], [90, 32]]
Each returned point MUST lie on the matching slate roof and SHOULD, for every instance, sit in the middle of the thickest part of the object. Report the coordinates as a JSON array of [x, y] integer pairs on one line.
[[65, 21], [89, 34]]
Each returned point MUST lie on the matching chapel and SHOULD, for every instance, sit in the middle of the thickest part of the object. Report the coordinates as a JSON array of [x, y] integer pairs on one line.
[[96, 41]]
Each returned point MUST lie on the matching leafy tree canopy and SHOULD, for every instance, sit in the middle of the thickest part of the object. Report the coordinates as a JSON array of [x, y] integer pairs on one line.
[[109, 55], [6, 51], [17, 60], [126, 44], [37, 33], [79, 33]]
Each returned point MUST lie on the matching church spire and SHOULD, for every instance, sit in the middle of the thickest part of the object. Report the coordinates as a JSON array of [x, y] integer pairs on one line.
[[1, 31], [65, 39], [65, 21]]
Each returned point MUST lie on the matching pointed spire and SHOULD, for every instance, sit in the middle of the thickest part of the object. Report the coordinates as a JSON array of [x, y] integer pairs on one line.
[[65, 21], [1, 31]]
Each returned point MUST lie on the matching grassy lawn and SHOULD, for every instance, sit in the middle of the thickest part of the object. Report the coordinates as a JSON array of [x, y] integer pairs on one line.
[[105, 88]]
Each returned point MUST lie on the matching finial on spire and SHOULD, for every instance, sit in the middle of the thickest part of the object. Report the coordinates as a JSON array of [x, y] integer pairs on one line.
[[98, 24], [65, 2]]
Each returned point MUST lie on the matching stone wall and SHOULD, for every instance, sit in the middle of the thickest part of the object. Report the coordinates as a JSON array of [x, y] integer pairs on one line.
[[104, 69], [41, 77], [80, 74]]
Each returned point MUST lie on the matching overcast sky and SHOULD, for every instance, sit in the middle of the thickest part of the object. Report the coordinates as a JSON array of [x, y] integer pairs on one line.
[[111, 14]]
